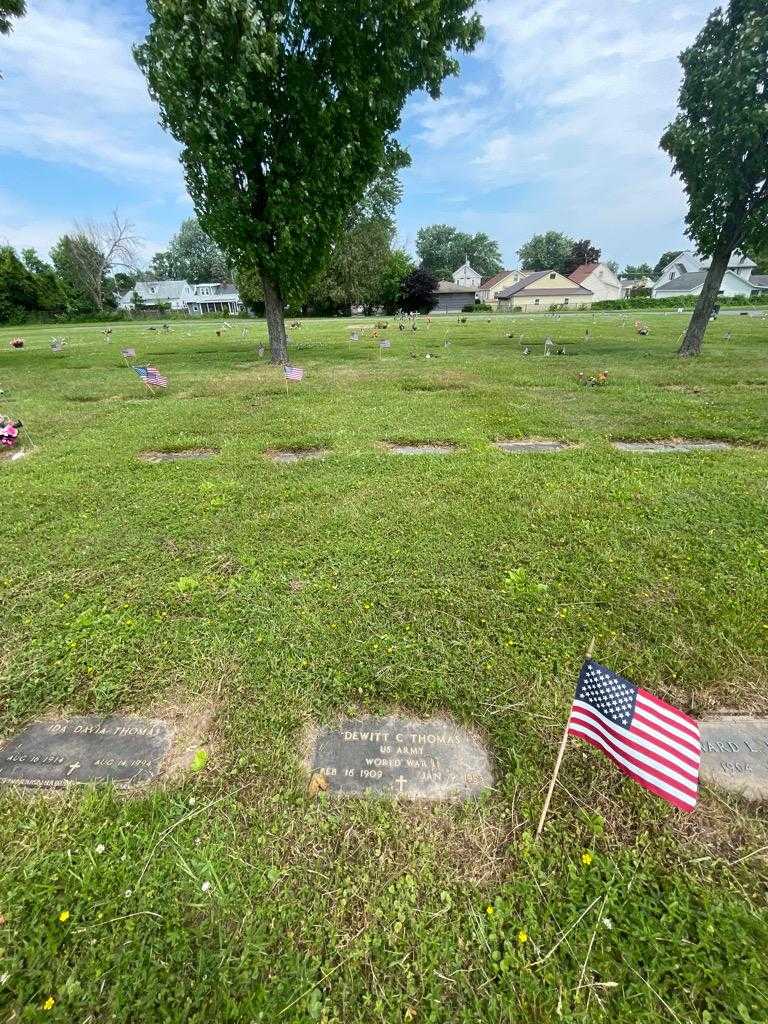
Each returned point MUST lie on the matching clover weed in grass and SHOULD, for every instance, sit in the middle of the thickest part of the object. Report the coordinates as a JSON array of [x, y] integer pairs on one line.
[[468, 585]]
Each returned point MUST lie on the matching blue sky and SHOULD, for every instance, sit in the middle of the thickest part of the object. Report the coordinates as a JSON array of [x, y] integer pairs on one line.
[[553, 123]]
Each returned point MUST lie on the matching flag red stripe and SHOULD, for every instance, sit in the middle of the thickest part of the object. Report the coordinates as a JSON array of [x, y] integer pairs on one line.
[[670, 709], [675, 764], [648, 724], [644, 777], [647, 737], [677, 726], [640, 757]]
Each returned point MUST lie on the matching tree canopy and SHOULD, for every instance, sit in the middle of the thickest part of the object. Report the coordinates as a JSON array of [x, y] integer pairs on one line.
[[417, 290], [192, 256], [442, 249], [548, 251], [286, 111], [719, 144], [10, 9], [638, 270], [581, 252]]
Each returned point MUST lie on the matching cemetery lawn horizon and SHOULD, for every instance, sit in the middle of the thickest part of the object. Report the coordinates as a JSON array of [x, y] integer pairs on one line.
[[253, 601]]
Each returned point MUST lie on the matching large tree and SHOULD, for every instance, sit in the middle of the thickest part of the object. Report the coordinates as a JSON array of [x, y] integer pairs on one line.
[[581, 252], [286, 110], [719, 144], [548, 251], [18, 294], [48, 289], [417, 290], [390, 284], [442, 249], [85, 260], [192, 256]]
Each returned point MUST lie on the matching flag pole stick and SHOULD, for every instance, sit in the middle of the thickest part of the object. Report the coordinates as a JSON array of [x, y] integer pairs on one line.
[[558, 762]]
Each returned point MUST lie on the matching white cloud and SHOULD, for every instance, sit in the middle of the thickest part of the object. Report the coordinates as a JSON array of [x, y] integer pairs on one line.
[[577, 96], [72, 95]]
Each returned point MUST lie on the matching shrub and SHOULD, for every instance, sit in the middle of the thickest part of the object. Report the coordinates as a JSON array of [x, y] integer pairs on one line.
[[476, 307]]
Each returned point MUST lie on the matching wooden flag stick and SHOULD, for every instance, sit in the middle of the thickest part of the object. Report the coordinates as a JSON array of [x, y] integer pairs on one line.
[[558, 761]]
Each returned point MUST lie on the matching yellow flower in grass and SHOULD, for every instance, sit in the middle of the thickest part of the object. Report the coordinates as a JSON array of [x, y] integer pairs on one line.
[[64, 916], [489, 911], [522, 936], [49, 1003], [586, 859]]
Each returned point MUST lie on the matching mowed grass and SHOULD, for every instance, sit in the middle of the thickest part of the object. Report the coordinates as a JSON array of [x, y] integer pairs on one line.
[[273, 597]]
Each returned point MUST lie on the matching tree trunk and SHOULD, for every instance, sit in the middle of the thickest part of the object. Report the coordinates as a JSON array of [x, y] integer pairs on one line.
[[273, 308], [694, 336]]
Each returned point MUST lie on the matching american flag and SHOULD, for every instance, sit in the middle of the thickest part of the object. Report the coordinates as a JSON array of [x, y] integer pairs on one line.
[[293, 373], [650, 741], [385, 343], [151, 377]]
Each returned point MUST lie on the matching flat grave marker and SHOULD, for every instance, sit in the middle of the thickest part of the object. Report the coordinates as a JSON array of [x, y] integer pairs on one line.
[[86, 748], [418, 448], [528, 446], [651, 447], [415, 759], [734, 755], [287, 455], [179, 456]]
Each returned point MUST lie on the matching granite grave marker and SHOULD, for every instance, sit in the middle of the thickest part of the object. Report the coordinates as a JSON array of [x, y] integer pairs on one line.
[[414, 759], [734, 755], [88, 748]]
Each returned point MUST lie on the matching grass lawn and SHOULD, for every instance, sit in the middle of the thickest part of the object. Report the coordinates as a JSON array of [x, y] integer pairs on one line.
[[270, 597]]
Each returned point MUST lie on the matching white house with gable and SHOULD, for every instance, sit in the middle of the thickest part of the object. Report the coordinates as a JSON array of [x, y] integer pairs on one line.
[[686, 273], [599, 279], [183, 297], [466, 277]]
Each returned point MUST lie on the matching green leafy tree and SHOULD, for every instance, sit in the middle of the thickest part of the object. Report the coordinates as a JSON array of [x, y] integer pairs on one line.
[[719, 145], [10, 9], [581, 252], [548, 251], [417, 291], [389, 287], [286, 111], [18, 294], [638, 270], [442, 249], [192, 256], [70, 273], [664, 260], [613, 264]]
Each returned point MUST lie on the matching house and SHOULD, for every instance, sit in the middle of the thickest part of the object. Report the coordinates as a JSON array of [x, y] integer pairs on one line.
[[686, 273], [491, 286], [599, 279], [466, 276], [543, 290], [450, 297], [182, 297], [629, 284]]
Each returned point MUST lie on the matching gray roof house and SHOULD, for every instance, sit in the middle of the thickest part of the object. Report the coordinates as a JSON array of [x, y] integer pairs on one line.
[[184, 297], [449, 297]]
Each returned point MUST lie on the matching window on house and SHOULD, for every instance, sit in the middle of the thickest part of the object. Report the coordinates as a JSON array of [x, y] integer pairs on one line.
[[536, 302], [565, 301], [552, 277]]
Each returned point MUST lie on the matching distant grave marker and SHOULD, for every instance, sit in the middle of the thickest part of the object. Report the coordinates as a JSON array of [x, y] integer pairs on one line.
[[421, 448], [651, 447], [529, 446], [295, 454], [734, 755], [411, 758], [87, 748], [180, 456]]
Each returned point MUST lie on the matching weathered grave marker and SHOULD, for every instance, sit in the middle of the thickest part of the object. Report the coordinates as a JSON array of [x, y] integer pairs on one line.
[[88, 748], [422, 448], [415, 759], [734, 755], [179, 456], [287, 455], [529, 446], [649, 447]]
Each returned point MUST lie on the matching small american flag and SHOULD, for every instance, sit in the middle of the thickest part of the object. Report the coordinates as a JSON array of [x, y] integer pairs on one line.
[[128, 353], [293, 373], [650, 741], [384, 343], [151, 376]]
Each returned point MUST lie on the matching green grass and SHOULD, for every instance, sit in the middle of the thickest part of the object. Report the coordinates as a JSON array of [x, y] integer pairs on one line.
[[467, 584]]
